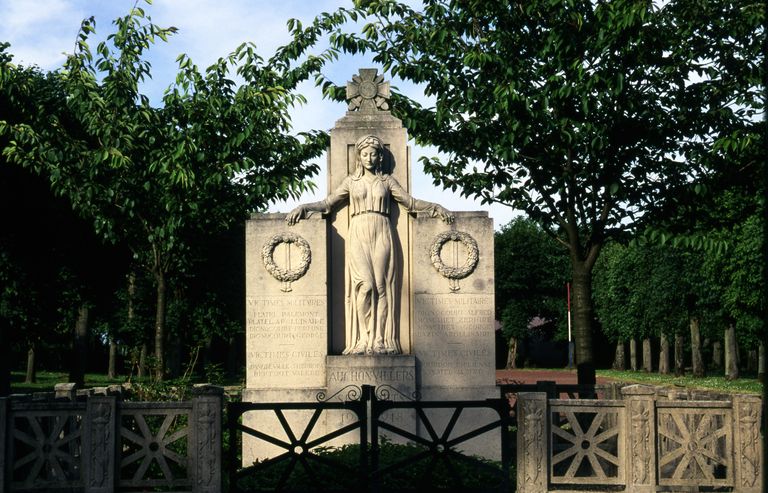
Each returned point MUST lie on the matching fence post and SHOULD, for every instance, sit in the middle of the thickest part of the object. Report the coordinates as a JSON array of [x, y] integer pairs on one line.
[[5, 404], [100, 444], [532, 439], [640, 457], [747, 446], [205, 449]]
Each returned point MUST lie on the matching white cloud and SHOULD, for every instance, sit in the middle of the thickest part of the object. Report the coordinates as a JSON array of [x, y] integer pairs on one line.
[[39, 32]]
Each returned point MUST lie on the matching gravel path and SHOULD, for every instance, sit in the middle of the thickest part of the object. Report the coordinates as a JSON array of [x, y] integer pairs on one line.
[[533, 375]]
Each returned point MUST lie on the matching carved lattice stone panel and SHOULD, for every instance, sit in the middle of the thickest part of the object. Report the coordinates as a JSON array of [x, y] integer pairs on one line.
[[46, 448], [694, 446], [154, 447], [587, 443]]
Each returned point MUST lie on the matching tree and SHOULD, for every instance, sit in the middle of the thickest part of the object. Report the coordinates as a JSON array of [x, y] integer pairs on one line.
[[530, 271], [158, 178], [640, 292], [581, 114]]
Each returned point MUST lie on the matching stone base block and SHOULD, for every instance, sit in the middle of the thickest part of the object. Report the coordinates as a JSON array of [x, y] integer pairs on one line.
[[393, 375], [397, 371]]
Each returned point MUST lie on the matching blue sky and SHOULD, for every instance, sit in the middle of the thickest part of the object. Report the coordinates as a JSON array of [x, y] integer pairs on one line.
[[42, 31]]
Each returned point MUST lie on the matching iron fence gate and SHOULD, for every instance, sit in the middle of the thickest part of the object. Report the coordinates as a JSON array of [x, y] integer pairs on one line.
[[370, 439]]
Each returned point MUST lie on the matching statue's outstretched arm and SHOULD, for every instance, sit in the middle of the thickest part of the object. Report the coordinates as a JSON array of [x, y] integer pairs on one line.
[[304, 211], [434, 210], [416, 205]]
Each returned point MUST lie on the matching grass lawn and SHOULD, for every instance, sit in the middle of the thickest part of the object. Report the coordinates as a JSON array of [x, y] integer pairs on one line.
[[710, 382], [47, 379]]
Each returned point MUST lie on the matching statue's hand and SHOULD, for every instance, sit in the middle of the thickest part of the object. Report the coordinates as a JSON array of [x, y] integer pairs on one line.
[[296, 215], [444, 214]]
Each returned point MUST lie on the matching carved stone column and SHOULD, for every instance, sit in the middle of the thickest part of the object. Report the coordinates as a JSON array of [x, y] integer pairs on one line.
[[640, 463], [532, 442], [99, 450], [205, 453], [747, 444]]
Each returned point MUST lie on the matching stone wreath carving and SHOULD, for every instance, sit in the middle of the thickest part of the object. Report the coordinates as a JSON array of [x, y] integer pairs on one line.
[[288, 274], [458, 272]]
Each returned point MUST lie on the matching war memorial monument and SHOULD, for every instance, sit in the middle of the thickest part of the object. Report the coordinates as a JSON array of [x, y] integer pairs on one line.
[[370, 286]]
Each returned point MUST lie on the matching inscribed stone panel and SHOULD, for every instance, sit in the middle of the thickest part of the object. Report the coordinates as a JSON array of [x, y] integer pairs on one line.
[[286, 313], [453, 309]]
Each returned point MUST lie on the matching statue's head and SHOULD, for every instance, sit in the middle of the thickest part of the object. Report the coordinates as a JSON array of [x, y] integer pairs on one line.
[[370, 155]]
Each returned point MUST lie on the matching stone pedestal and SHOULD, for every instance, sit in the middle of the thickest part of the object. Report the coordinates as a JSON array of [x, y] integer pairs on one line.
[[394, 377]]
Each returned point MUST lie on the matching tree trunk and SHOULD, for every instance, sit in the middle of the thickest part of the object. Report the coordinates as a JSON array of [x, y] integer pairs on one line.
[[619, 362], [647, 355], [664, 355], [111, 373], [679, 355], [143, 360], [696, 360], [142, 363], [761, 361], [633, 354], [731, 357], [31, 369], [5, 367], [80, 353], [512, 354], [160, 326], [582, 323], [717, 355], [752, 360]]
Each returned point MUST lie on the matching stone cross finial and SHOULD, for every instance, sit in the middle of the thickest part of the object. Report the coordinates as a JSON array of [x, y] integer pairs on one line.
[[368, 92]]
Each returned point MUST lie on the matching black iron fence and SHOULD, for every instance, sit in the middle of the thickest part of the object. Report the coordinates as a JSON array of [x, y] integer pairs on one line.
[[364, 444]]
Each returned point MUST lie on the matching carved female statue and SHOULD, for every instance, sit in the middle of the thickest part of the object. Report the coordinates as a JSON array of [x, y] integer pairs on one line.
[[370, 326]]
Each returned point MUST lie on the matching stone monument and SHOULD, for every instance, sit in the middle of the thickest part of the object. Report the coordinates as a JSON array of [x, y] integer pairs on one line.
[[370, 285]]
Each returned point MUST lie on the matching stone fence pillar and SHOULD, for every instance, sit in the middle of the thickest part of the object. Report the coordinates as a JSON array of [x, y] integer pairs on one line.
[[640, 465], [205, 443], [532, 442], [747, 443], [100, 444]]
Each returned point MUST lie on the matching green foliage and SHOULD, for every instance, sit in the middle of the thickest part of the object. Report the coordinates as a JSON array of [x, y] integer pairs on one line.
[[641, 291], [736, 281], [531, 271], [645, 290]]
